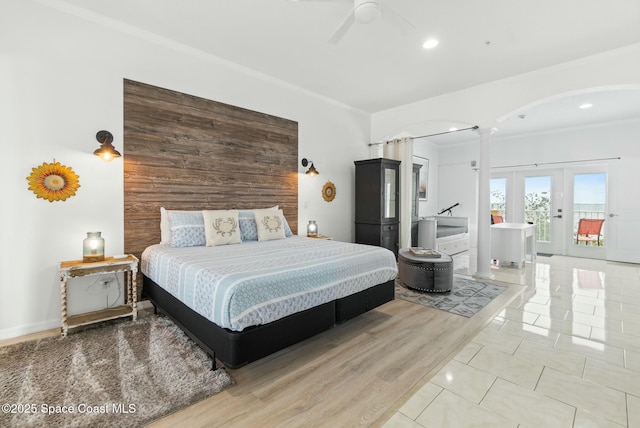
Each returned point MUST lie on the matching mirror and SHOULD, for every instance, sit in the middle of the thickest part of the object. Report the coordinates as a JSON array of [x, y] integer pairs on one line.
[[389, 193]]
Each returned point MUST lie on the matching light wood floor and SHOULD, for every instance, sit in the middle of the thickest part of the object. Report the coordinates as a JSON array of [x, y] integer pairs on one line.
[[357, 374]]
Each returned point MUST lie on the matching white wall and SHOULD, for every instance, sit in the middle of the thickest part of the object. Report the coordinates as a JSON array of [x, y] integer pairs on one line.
[[61, 75], [457, 179], [616, 139], [429, 150]]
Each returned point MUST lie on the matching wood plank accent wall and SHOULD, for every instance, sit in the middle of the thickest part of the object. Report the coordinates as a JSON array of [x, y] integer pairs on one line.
[[189, 153]]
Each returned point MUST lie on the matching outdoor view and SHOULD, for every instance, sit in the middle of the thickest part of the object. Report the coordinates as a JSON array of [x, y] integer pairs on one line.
[[498, 199], [537, 205], [588, 203]]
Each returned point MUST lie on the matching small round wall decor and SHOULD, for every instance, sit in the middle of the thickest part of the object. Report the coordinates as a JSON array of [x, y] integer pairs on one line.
[[329, 191], [53, 181]]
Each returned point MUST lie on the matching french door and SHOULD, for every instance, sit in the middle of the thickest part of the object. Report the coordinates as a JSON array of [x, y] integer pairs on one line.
[[555, 200], [587, 211], [540, 202]]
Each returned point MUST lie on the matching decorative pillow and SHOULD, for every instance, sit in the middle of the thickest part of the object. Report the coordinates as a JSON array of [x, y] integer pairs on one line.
[[221, 227], [249, 229], [187, 228], [270, 224], [165, 227]]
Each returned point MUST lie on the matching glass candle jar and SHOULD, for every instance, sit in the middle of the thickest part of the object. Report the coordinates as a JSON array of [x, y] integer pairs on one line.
[[312, 228], [93, 248]]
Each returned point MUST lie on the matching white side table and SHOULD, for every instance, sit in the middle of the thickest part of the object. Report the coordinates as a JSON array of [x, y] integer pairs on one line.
[[513, 242], [76, 268]]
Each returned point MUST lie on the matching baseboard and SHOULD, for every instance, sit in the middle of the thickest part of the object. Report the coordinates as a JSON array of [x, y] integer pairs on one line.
[[23, 330]]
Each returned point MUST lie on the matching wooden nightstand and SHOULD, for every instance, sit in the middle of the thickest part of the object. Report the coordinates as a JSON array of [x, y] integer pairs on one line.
[[76, 268]]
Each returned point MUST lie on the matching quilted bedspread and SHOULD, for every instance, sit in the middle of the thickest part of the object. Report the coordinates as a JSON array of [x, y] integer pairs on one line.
[[253, 283]]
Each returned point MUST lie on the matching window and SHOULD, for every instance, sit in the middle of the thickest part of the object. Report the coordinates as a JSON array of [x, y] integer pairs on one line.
[[498, 201]]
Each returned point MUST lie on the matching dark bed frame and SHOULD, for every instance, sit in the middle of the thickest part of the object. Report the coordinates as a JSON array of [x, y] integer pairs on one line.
[[235, 349]]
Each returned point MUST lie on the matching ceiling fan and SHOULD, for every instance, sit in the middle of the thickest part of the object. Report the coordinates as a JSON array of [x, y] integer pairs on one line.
[[366, 12]]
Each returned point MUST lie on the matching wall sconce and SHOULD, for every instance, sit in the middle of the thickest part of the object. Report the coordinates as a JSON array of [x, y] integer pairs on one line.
[[312, 229], [93, 248], [106, 152], [312, 171]]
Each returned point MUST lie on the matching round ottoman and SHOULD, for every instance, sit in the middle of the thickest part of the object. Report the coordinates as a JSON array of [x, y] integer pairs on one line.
[[433, 274]]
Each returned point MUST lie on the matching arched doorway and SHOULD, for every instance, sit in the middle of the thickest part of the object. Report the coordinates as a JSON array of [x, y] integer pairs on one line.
[[575, 159]]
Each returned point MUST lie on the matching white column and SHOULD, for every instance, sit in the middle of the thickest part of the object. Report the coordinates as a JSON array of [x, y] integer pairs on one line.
[[483, 261]]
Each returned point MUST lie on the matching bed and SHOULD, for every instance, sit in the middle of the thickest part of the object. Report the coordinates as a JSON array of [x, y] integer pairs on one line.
[[191, 154], [451, 234], [245, 300]]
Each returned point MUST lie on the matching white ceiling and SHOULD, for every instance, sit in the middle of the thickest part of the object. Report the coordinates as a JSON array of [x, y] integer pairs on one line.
[[607, 106], [378, 66]]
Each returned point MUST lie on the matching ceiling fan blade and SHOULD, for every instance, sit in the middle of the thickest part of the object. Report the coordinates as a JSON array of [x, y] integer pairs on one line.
[[396, 19], [343, 28]]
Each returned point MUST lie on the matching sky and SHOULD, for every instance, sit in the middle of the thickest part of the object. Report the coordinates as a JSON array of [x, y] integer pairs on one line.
[[588, 188]]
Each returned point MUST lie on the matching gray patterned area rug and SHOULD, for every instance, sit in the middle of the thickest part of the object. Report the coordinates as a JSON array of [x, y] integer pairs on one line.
[[122, 374], [465, 298]]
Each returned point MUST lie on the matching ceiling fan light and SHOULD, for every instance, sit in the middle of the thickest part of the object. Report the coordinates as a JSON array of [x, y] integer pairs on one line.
[[366, 11], [430, 43]]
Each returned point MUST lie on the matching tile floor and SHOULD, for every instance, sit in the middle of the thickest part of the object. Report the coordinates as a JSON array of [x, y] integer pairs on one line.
[[565, 353]]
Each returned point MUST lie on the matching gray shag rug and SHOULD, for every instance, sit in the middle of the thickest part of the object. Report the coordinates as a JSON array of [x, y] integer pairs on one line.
[[122, 374], [466, 297]]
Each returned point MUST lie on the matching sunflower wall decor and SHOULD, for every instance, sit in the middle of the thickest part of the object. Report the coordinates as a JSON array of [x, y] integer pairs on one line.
[[53, 181], [329, 191]]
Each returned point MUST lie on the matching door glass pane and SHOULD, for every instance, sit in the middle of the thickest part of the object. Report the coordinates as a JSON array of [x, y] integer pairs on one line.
[[537, 205], [389, 193], [589, 199], [498, 199]]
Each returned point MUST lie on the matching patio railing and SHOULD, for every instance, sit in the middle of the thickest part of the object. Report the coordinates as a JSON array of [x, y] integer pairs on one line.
[[541, 220]]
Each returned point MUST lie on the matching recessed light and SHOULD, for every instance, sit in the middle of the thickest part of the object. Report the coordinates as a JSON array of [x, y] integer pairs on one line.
[[586, 105], [430, 43]]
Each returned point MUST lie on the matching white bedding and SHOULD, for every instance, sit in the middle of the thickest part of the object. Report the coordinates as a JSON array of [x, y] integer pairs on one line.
[[253, 283]]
